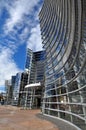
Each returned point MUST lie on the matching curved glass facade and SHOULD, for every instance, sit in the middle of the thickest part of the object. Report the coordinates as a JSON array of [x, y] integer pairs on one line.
[[63, 30]]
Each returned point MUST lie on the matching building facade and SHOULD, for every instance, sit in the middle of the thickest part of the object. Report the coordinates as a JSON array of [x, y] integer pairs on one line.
[[8, 88], [13, 81], [35, 67], [19, 92], [33, 73], [16, 90], [63, 30]]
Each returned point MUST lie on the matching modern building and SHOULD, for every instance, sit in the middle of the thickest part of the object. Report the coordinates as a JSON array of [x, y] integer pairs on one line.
[[19, 93], [13, 80], [9, 92], [35, 67], [29, 97], [9, 88], [63, 30], [16, 89]]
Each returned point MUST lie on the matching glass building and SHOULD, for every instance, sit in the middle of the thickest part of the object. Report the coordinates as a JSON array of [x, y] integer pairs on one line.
[[63, 30], [19, 93], [16, 89], [9, 92], [35, 67]]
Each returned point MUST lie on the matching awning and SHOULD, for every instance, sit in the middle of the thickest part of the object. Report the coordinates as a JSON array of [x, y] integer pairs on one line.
[[33, 85]]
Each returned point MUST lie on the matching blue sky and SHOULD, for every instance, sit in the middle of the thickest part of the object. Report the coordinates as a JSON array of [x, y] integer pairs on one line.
[[19, 29]]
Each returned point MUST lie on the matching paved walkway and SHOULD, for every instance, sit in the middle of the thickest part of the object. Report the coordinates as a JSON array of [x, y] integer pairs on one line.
[[13, 118], [62, 125]]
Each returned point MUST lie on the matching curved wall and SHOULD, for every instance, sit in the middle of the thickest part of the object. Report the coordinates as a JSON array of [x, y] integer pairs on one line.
[[63, 30]]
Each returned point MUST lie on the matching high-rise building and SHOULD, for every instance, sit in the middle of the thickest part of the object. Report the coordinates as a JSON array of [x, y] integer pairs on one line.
[[16, 89], [8, 88], [19, 93], [35, 68], [63, 30], [13, 80]]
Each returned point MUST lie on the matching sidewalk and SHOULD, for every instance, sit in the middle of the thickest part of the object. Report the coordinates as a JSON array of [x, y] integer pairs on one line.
[[62, 125], [12, 118]]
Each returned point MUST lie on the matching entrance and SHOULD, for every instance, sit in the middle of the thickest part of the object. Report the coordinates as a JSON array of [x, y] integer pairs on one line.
[[38, 102]]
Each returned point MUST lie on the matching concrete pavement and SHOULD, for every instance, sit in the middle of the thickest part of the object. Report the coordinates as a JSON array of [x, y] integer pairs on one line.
[[61, 124], [12, 118]]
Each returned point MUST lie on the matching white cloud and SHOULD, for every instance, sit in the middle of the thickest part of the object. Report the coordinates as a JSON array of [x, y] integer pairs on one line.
[[34, 41], [7, 65], [22, 13], [17, 11], [23, 36]]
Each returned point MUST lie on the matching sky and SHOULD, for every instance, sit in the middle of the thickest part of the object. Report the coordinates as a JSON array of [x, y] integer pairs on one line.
[[19, 29]]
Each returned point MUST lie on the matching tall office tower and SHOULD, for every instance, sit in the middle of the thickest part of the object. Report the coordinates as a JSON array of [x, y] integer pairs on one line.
[[8, 88], [16, 90], [35, 68], [19, 93], [63, 30], [13, 80]]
